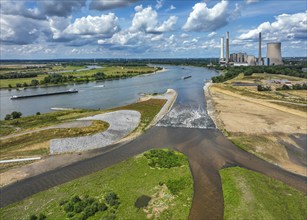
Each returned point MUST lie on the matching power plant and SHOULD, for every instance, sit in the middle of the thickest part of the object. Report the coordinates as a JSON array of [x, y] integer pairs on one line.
[[273, 56]]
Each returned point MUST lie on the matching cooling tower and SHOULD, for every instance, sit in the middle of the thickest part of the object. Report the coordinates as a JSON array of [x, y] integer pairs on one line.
[[274, 53], [227, 47], [222, 48]]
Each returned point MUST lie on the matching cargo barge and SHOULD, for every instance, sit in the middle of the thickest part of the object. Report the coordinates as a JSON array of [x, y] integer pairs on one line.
[[186, 77], [44, 94]]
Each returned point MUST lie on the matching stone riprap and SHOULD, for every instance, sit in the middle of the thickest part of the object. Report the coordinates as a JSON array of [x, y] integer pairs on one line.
[[121, 123]]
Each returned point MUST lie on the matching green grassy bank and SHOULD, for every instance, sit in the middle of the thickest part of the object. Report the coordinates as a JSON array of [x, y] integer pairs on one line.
[[250, 195], [169, 191]]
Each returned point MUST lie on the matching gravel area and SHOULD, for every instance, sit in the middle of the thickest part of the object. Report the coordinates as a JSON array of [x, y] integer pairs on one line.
[[121, 124]]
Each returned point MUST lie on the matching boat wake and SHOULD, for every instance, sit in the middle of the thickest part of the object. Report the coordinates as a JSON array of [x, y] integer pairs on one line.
[[187, 117]]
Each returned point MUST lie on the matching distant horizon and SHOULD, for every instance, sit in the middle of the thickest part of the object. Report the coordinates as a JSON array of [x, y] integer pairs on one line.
[[101, 59]]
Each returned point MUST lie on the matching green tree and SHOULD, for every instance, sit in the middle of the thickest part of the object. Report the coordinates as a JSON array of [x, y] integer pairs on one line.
[[8, 117], [16, 114], [34, 82]]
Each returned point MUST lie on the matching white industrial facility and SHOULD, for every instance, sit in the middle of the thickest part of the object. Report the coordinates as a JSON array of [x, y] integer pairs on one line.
[[273, 55]]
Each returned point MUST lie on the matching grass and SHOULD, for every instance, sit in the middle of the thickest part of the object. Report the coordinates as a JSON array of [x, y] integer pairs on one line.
[[20, 146], [129, 179], [43, 120], [263, 146], [111, 71], [250, 195]]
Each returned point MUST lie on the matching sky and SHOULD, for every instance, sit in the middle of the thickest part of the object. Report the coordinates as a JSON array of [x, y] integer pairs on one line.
[[56, 29]]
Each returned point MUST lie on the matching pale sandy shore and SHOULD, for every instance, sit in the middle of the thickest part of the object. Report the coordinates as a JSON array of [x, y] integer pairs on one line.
[[273, 132], [56, 161]]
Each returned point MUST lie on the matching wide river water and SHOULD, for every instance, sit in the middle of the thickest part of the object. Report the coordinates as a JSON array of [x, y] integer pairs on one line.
[[109, 94]]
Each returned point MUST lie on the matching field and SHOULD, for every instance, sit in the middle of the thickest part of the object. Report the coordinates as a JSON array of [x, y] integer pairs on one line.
[[250, 195], [131, 180], [269, 125], [76, 72]]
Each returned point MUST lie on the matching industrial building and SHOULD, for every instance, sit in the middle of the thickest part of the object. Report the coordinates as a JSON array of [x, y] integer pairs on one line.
[[273, 56]]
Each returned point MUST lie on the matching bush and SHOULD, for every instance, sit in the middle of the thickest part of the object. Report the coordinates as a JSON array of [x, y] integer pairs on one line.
[[34, 82], [16, 114], [75, 199], [63, 202], [175, 186], [33, 217], [8, 117], [69, 207], [164, 158], [38, 113], [41, 216], [70, 214], [112, 199], [103, 207]]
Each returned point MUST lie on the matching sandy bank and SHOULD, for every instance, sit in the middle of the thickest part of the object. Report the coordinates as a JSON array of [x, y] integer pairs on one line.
[[270, 131]]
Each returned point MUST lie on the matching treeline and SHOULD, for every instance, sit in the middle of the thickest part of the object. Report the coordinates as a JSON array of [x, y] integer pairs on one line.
[[56, 78], [17, 75], [231, 72]]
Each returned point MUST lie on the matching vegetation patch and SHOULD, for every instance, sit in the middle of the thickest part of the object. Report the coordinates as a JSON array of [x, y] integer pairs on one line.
[[177, 185], [250, 195], [129, 179], [164, 158], [21, 145], [84, 208]]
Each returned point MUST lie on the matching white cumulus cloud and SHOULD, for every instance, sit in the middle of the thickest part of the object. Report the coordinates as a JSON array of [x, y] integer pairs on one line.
[[285, 27], [104, 25], [109, 4], [203, 18], [146, 20]]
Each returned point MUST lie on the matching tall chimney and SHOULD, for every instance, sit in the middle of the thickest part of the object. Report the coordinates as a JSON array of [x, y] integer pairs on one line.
[[259, 58], [222, 48], [227, 47]]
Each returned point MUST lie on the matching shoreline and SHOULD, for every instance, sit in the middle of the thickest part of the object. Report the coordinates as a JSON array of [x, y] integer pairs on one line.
[[52, 162], [82, 82]]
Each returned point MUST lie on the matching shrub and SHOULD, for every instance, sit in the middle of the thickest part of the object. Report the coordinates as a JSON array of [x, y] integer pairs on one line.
[[16, 114], [8, 117], [38, 113], [103, 207], [70, 214], [164, 158], [63, 202], [175, 186], [33, 217], [41, 216], [75, 199], [69, 207], [112, 199]]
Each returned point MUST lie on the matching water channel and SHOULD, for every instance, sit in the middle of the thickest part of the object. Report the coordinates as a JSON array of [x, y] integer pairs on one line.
[[188, 111]]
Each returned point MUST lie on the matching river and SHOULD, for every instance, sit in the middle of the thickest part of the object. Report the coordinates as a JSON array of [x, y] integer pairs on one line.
[[109, 94]]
